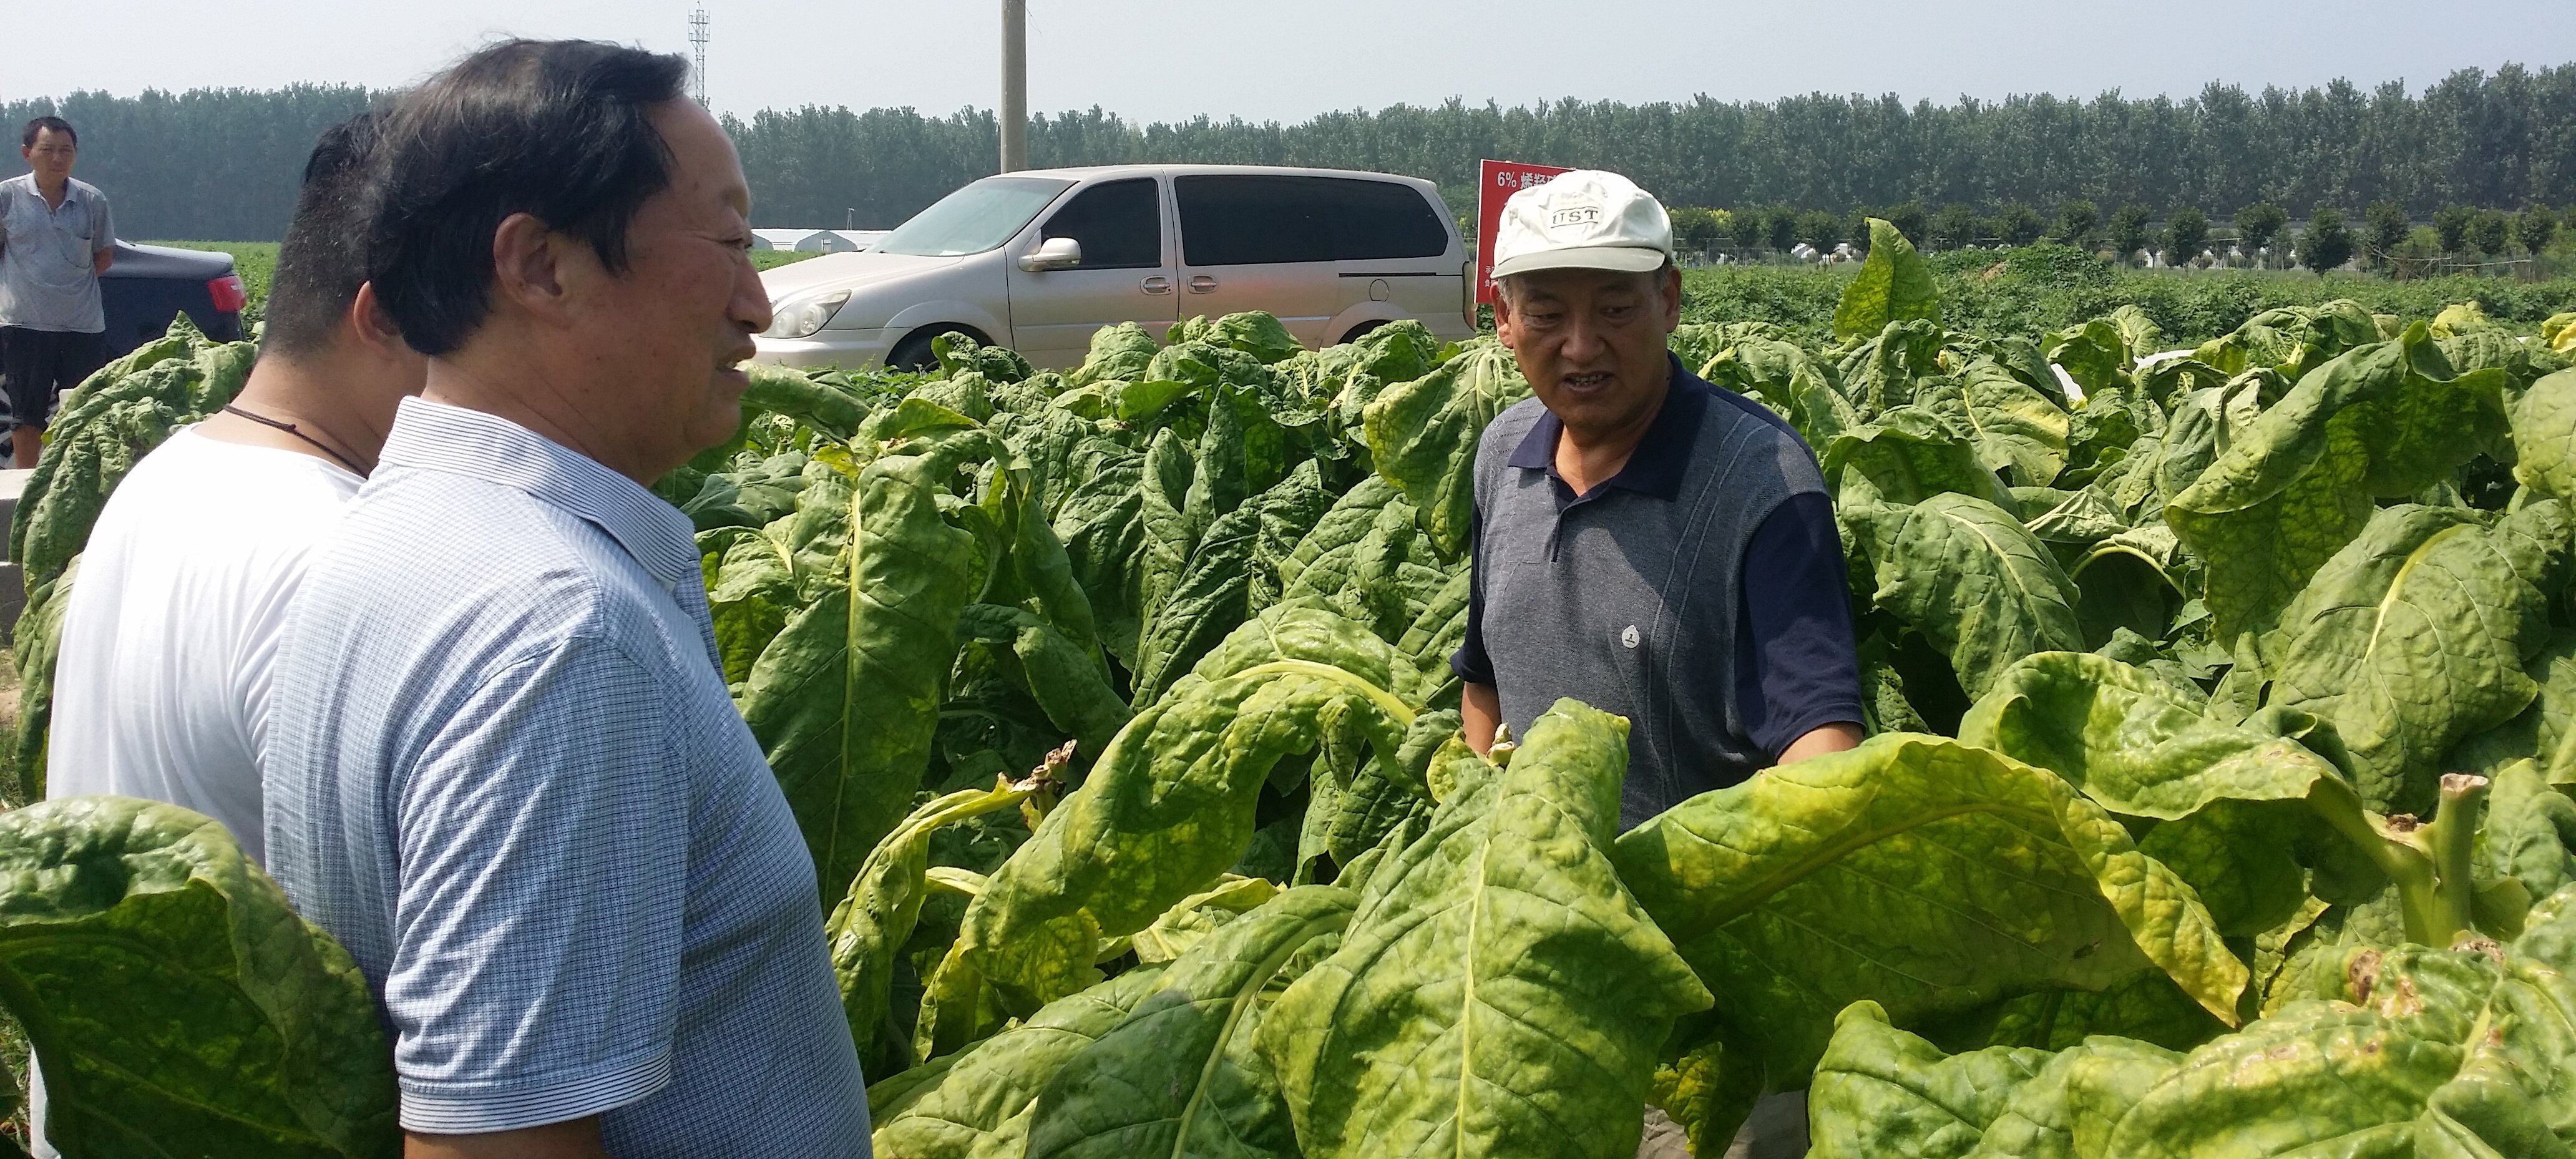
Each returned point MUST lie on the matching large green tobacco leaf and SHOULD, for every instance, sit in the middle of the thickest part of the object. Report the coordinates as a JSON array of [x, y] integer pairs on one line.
[[982, 1102], [1170, 533], [2409, 639], [1118, 353], [2317, 1078], [1422, 435], [1170, 804], [1895, 285], [1180, 1076], [1918, 872], [2382, 421], [751, 591], [872, 922], [1498, 993], [107, 424], [1211, 597], [1970, 578], [2014, 427], [2132, 742], [1880, 1091], [1065, 679], [1102, 528], [177, 1003], [2544, 436], [851, 779], [1789, 380], [777, 390], [1906, 455], [39, 637]]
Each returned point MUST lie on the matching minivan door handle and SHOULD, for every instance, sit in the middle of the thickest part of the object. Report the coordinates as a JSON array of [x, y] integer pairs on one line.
[[1158, 285], [1202, 284]]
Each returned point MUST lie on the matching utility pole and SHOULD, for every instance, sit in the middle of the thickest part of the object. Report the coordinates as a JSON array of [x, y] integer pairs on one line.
[[1015, 85], [698, 40]]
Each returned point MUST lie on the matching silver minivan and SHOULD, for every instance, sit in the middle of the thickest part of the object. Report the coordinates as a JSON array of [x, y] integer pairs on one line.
[[1039, 260]]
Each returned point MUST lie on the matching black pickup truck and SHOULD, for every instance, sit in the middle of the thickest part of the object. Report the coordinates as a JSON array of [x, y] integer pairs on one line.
[[150, 284]]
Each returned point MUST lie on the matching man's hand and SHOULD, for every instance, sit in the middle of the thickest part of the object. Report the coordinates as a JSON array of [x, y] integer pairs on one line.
[[1481, 708], [103, 259], [1831, 738], [577, 1139]]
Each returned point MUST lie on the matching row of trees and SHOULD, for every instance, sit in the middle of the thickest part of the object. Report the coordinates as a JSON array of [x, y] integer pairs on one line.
[[2386, 231], [223, 163]]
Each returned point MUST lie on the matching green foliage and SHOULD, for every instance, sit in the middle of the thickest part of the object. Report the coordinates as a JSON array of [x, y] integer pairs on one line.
[[2409, 1051], [2535, 227], [2260, 224], [2214, 629], [178, 1005], [2127, 230], [2327, 244], [2387, 228], [2451, 224], [2019, 225], [2489, 232], [1502, 946], [2186, 235], [1894, 285], [104, 425], [2077, 219]]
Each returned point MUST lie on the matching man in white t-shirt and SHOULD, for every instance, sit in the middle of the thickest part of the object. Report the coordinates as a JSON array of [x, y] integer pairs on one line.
[[162, 686]]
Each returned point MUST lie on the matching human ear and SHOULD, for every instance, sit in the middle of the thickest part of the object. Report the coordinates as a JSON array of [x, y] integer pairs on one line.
[[527, 264], [368, 320]]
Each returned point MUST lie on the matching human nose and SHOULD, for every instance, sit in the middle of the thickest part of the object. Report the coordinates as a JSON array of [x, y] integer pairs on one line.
[[1581, 340], [750, 305]]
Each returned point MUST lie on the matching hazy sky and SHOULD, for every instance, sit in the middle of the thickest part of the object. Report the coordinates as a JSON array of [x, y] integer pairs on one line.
[[1290, 60]]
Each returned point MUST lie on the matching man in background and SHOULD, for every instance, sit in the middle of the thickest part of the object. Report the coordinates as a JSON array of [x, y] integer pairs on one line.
[[503, 766], [1645, 542], [170, 639], [56, 238]]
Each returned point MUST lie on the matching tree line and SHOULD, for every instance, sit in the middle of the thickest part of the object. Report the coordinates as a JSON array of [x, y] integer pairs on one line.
[[222, 164]]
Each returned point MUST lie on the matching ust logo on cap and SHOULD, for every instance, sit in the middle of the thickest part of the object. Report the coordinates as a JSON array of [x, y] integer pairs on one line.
[[1574, 215], [1628, 636]]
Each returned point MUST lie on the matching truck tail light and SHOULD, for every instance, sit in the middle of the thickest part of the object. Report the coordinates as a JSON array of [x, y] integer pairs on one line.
[[1467, 293], [228, 294]]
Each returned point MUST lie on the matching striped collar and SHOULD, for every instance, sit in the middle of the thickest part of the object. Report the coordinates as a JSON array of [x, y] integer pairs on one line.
[[433, 436]]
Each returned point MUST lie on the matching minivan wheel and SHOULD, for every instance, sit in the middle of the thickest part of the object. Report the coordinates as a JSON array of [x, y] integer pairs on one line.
[[1360, 329], [913, 353]]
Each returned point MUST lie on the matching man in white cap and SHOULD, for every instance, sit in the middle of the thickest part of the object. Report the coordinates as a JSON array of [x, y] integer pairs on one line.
[[1646, 542]]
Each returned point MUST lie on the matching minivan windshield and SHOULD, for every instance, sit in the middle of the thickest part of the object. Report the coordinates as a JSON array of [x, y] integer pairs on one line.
[[973, 219]]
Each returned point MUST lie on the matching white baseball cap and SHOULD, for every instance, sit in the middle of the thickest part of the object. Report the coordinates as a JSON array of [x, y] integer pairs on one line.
[[1582, 219]]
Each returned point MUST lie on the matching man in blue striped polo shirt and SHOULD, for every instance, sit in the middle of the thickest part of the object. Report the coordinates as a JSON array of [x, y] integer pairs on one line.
[[503, 768]]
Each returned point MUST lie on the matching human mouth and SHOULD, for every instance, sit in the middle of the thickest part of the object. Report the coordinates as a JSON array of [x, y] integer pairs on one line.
[[1586, 382]]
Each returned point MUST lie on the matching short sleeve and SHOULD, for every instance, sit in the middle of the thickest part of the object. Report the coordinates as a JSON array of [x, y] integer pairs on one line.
[[1796, 667], [543, 840], [102, 224], [1470, 661]]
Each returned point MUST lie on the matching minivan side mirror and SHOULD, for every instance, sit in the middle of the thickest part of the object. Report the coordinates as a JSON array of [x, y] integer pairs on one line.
[[1055, 253]]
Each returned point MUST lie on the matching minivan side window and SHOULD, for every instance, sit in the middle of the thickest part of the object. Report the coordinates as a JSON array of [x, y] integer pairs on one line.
[[1381, 219], [1243, 220], [1119, 223]]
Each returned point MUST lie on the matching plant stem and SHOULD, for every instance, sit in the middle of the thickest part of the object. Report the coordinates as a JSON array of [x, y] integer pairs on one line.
[[2451, 841]]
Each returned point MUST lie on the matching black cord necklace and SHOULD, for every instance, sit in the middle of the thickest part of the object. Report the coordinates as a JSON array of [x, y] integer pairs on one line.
[[289, 428]]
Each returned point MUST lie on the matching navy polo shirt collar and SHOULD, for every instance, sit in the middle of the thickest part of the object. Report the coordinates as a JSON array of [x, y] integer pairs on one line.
[[1656, 467]]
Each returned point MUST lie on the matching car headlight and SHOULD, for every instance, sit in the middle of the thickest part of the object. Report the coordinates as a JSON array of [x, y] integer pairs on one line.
[[801, 317]]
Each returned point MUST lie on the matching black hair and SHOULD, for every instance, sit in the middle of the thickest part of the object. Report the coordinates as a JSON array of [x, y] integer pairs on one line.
[[558, 129], [41, 124], [323, 259]]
